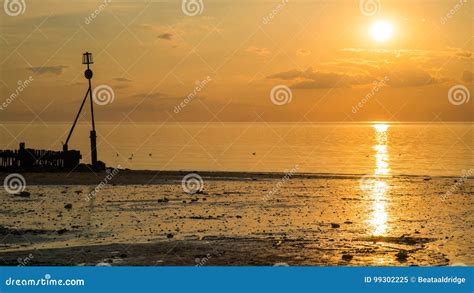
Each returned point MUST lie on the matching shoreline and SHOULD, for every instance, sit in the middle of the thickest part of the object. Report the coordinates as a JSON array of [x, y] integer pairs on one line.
[[144, 177]]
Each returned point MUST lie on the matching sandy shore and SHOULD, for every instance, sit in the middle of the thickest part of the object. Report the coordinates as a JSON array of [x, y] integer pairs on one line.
[[129, 177], [145, 218], [140, 177]]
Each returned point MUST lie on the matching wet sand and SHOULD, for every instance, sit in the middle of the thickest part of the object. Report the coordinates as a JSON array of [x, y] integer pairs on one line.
[[145, 218]]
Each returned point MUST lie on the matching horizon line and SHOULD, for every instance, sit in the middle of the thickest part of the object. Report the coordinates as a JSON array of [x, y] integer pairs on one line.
[[252, 122]]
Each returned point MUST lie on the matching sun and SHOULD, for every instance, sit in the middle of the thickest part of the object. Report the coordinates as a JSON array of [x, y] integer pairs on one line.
[[381, 31]]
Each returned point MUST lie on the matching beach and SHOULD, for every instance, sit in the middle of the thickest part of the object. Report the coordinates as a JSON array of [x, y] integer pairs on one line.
[[126, 217], [285, 146]]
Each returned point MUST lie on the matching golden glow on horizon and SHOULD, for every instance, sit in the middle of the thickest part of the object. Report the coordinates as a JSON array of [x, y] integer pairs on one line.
[[381, 31], [381, 127]]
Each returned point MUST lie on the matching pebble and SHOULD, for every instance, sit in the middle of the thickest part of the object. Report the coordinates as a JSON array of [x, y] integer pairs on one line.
[[62, 231], [402, 255], [23, 194], [347, 257]]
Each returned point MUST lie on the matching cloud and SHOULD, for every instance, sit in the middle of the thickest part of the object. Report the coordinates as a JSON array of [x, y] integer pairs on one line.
[[122, 79], [410, 54], [310, 79], [257, 51], [356, 64], [465, 54], [406, 67], [467, 76], [58, 69], [288, 75], [303, 52], [411, 77], [402, 76], [157, 95], [166, 36]]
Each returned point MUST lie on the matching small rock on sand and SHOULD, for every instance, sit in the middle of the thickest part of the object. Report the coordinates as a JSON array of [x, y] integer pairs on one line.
[[334, 225], [68, 206], [169, 236], [402, 255], [23, 194], [62, 231], [347, 257]]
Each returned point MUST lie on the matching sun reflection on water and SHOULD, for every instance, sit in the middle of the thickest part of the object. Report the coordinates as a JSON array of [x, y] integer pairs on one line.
[[381, 150], [379, 216], [376, 186]]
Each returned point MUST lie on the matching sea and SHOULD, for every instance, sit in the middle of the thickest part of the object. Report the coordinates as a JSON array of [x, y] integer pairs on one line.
[[378, 148]]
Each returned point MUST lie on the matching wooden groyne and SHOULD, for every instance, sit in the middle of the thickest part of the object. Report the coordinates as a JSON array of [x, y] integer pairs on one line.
[[24, 158]]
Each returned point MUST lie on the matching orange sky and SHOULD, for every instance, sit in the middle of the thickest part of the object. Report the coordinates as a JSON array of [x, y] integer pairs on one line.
[[222, 63]]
